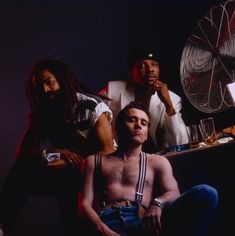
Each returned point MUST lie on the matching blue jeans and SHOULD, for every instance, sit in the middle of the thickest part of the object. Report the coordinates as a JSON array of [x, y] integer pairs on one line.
[[191, 214], [123, 219]]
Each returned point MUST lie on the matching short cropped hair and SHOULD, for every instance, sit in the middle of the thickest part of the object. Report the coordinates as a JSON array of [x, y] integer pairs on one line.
[[121, 117]]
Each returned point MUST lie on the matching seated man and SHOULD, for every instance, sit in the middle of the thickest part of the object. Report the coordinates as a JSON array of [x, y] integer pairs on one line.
[[166, 125], [130, 192], [66, 124]]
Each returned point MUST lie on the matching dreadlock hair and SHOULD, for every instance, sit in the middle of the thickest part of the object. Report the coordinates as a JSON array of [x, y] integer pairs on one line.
[[68, 83]]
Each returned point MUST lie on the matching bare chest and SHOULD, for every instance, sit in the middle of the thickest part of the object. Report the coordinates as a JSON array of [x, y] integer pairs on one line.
[[121, 172]]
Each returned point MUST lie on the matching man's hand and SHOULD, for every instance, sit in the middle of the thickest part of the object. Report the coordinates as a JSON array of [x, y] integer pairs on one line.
[[152, 220], [163, 93], [67, 158], [106, 231]]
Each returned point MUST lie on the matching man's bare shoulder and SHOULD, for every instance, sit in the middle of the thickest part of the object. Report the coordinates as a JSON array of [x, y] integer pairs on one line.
[[155, 156], [158, 160], [91, 158]]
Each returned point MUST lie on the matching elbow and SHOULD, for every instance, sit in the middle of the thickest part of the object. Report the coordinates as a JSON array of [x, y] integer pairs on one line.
[[176, 193]]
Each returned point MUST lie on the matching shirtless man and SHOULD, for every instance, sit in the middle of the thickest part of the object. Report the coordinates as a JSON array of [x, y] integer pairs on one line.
[[130, 192]]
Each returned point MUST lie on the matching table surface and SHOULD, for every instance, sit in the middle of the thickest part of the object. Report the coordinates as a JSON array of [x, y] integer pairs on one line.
[[199, 149], [211, 165]]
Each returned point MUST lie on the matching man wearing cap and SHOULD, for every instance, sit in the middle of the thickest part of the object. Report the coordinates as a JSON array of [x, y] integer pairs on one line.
[[166, 125]]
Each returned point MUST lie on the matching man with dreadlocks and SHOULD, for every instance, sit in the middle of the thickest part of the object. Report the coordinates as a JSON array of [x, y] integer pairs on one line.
[[67, 122]]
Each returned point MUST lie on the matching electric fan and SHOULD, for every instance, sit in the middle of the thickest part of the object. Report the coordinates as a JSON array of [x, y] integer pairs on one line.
[[208, 60]]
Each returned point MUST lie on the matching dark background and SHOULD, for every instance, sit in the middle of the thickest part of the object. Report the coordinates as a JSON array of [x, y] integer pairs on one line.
[[93, 39]]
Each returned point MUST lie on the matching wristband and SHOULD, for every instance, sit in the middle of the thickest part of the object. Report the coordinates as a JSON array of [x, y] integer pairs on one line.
[[158, 203]]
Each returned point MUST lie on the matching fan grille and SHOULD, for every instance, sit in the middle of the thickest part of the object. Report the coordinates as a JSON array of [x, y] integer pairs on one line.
[[208, 60]]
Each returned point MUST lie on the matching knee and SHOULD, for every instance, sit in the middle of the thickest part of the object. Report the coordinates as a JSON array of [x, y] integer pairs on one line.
[[208, 194]]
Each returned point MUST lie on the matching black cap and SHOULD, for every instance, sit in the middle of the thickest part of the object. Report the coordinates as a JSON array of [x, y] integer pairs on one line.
[[142, 53]]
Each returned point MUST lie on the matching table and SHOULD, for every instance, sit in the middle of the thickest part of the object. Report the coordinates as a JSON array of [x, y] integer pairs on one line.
[[212, 165]]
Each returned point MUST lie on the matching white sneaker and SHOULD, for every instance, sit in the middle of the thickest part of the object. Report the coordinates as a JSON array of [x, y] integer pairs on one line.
[[1, 232]]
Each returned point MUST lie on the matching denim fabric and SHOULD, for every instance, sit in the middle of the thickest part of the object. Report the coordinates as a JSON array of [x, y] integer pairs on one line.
[[123, 219], [190, 214]]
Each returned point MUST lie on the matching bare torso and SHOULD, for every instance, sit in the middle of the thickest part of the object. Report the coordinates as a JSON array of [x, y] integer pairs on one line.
[[120, 178]]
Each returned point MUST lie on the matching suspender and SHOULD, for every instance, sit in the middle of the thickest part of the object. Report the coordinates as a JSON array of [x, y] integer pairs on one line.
[[97, 162], [142, 175], [141, 178]]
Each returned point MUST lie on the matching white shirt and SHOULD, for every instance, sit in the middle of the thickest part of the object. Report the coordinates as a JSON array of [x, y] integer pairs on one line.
[[173, 128]]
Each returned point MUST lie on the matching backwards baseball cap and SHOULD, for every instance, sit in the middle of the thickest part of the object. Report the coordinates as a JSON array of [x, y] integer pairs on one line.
[[142, 53]]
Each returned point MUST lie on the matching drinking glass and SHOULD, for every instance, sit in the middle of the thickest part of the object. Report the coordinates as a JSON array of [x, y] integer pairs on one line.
[[208, 130], [194, 135]]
